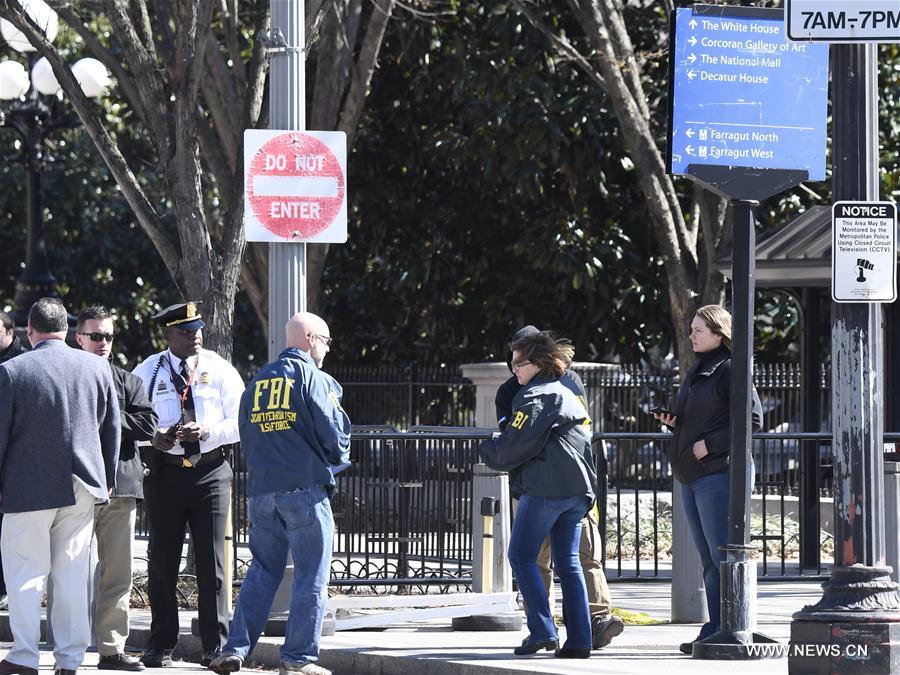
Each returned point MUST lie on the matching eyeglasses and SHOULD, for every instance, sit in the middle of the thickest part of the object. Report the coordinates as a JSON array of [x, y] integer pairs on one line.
[[327, 340], [520, 364], [100, 337]]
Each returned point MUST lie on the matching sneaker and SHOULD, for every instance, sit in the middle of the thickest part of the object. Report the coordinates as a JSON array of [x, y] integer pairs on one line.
[[157, 658], [604, 629], [119, 662], [307, 668], [226, 663]]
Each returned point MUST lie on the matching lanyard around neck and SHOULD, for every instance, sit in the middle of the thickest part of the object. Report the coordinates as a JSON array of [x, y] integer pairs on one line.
[[190, 379]]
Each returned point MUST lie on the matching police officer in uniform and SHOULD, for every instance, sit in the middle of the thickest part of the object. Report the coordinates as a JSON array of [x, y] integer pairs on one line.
[[196, 394]]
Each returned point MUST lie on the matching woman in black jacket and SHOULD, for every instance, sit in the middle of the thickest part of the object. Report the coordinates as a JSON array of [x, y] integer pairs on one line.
[[701, 448], [546, 448]]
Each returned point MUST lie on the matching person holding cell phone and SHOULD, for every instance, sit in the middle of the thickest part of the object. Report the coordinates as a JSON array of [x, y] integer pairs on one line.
[[196, 394], [701, 447]]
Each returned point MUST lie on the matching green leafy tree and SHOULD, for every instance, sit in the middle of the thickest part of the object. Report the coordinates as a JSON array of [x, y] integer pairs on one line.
[[493, 191]]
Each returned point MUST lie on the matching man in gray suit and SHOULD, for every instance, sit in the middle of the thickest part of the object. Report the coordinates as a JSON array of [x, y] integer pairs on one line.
[[59, 445]]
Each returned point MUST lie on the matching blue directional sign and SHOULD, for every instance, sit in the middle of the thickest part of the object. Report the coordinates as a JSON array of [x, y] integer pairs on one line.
[[744, 96]]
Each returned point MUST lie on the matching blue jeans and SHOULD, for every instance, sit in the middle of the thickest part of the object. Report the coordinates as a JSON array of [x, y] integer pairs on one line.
[[561, 518], [299, 521], [705, 502]]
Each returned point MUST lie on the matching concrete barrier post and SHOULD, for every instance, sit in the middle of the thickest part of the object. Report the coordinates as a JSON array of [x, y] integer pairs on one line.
[[495, 485], [688, 596], [487, 378]]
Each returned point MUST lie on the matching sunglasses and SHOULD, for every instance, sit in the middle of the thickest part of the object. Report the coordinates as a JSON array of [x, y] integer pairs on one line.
[[100, 337], [326, 340]]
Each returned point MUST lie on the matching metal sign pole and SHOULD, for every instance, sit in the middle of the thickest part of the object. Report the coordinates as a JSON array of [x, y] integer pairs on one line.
[[287, 260], [737, 638], [860, 603], [287, 111]]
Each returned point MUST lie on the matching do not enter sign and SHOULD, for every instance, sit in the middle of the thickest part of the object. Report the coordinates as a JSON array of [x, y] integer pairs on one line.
[[295, 186]]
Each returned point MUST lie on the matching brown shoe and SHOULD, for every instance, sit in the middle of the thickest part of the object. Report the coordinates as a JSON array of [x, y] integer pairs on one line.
[[10, 668]]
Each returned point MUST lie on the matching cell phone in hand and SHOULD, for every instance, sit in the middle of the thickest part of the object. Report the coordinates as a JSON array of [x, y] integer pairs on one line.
[[659, 410]]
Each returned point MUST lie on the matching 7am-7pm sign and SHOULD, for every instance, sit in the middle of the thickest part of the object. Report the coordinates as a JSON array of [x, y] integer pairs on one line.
[[843, 20]]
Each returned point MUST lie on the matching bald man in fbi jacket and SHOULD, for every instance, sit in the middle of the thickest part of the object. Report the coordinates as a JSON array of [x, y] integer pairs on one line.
[[294, 434]]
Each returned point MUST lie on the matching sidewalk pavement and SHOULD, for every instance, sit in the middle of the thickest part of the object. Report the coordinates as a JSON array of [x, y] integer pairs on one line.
[[432, 647]]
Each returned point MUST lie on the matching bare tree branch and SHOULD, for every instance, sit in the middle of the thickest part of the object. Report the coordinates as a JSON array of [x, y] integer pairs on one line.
[[231, 32], [608, 16], [332, 71], [222, 96], [561, 44], [315, 12], [216, 159], [143, 67], [102, 53], [364, 69]]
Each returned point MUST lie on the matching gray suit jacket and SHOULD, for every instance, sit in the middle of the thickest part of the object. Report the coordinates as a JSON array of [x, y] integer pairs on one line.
[[59, 418]]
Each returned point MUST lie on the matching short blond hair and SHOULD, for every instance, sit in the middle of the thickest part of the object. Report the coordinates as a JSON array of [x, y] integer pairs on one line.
[[718, 320]]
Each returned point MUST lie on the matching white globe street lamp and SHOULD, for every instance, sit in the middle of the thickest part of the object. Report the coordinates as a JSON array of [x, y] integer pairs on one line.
[[32, 107], [42, 15]]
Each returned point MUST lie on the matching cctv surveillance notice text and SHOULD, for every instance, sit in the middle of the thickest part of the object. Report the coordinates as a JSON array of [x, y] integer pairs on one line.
[[864, 252]]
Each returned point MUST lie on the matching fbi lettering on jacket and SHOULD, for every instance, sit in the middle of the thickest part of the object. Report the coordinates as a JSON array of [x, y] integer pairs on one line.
[[271, 405]]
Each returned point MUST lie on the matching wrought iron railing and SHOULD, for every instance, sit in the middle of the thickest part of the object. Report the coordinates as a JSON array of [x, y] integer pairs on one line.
[[403, 512]]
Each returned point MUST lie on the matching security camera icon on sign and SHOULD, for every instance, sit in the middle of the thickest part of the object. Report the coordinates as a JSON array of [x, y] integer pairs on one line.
[[862, 265]]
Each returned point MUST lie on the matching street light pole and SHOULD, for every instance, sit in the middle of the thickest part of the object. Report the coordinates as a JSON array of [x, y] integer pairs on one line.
[[36, 280], [33, 110]]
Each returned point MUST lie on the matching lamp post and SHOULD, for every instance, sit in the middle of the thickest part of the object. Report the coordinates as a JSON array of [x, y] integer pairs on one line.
[[32, 107]]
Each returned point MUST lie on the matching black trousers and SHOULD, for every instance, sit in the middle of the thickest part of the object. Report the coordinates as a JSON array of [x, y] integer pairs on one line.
[[198, 497]]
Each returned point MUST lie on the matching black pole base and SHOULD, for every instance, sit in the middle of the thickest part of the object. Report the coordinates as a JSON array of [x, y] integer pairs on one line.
[[738, 646], [856, 594], [511, 621], [844, 648], [853, 628]]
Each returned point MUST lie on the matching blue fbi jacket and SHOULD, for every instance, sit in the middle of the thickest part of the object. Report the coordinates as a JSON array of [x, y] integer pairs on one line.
[[293, 429]]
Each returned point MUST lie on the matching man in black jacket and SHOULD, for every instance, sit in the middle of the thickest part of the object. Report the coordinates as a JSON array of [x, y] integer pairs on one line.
[[604, 624], [10, 346], [114, 521]]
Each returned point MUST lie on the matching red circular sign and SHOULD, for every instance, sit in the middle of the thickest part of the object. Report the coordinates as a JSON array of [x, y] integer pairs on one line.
[[295, 186]]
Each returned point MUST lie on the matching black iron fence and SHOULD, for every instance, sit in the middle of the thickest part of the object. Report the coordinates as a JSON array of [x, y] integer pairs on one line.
[[619, 396], [404, 396], [403, 512], [795, 533]]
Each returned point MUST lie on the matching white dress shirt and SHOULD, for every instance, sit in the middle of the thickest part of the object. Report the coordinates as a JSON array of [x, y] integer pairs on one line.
[[216, 389]]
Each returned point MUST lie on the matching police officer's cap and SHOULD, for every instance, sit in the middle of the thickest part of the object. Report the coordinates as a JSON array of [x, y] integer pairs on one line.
[[184, 316]]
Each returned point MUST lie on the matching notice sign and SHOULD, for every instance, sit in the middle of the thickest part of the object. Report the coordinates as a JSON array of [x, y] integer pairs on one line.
[[864, 252], [295, 186]]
